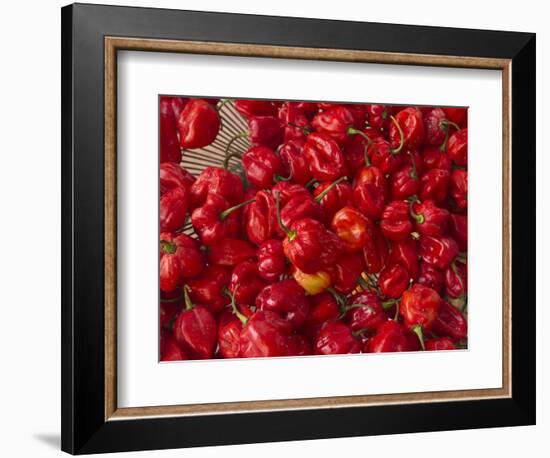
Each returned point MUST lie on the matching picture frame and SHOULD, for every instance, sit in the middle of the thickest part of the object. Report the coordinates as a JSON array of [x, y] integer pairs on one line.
[[92, 35]]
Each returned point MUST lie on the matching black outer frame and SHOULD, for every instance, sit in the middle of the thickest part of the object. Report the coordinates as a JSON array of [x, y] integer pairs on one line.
[[84, 429]]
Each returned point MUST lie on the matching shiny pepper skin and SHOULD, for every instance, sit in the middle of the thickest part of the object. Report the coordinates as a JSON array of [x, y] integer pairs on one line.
[[459, 230], [216, 180], [430, 219], [173, 209], [392, 336], [434, 158], [356, 148], [310, 246], [249, 108], [411, 123], [375, 251], [383, 157], [378, 116], [207, 288], [339, 196], [261, 165], [172, 176], [229, 334], [180, 258], [434, 185], [405, 253], [261, 218], [212, 222], [287, 299], [450, 322], [246, 282], [404, 183], [322, 308], [435, 127], [325, 158], [335, 123], [169, 348], [431, 277], [439, 252], [370, 192], [294, 162], [419, 306], [458, 188], [457, 147], [365, 312], [169, 143], [439, 344], [396, 222], [230, 252], [457, 115], [352, 227], [456, 279], [265, 131], [393, 281], [198, 124], [265, 334], [346, 272], [271, 260], [296, 124], [336, 338], [300, 207], [287, 191]]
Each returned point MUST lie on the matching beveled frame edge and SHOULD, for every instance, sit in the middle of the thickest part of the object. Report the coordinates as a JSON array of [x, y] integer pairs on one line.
[[112, 45]]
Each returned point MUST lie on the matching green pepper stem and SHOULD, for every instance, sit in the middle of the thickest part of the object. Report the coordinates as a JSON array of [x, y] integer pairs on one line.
[[290, 234], [340, 300], [419, 218], [386, 305], [187, 299], [401, 135], [234, 308], [278, 178], [353, 131], [414, 173], [227, 212], [445, 122], [417, 329], [229, 155], [321, 196], [363, 283], [168, 247], [305, 129], [366, 156]]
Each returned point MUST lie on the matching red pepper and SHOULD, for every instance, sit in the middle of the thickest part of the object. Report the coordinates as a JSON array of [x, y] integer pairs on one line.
[[198, 124], [404, 183], [271, 260], [379, 116], [230, 325], [458, 147], [215, 180], [265, 334], [458, 188], [430, 276], [419, 308], [169, 143], [246, 276], [411, 123], [375, 251], [381, 154], [439, 344], [450, 322], [459, 230], [434, 185], [169, 349], [429, 218], [333, 196], [265, 131], [216, 220], [396, 223], [261, 165], [392, 336], [249, 108], [393, 281], [364, 312], [295, 121], [439, 252], [336, 338], [195, 330], [456, 279], [299, 207], [404, 253], [287, 299], [173, 209], [169, 309], [230, 252], [359, 112], [326, 160], [457, 115], [436, 127], [353, 228], [288, 190], [336, 123], [208, 288], [298, 345], [356, 148], [294, 162], [436, 158], [261, 218], [322, 308], [370, 191], [180, 258], [346, 271], [172, 176]]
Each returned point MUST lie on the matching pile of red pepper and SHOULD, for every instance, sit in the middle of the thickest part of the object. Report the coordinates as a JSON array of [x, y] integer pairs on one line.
[[346, 231]]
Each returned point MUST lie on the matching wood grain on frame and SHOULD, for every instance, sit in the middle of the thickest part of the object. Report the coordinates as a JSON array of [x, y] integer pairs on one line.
[[112, 45]]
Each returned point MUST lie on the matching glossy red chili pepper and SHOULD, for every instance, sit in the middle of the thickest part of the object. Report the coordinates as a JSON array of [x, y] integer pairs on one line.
[[322, 308], [370, 192], [295, 121], [169, 143], [352, 227], [450, 322], [346, 271], [265, 131], [429, 218], [265, 334], [379, 116], [436, 127], [381, 155], [180, 258], [456, 279], [287, 299], [356, 148], [195, 330], [198, 124], [173, 209], [336, 338], [325, 158], [335, 122], [246, 276], [430, 276], [439, 344], [229, 334], [458, 188], [457, 115], [435, 158], [439, 252], [405, 253], [434, 185], [364, 312], [299, 345], [333, 196], [396, 222], [215, 180], [411, 123], [300, 207], [208, 287], [375, 251], [459, 230], [169, 349], [249, 108], [172, 176], [271, 260], [392, 336], [314, 283], [294, 162], [230, 252], [169, 308], [419, 308], [288, 190], [261, 165], [359, 112], [457, 147], [393, 281], [261, 218]]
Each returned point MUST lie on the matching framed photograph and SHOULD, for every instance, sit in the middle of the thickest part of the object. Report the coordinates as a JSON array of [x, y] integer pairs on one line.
[[281, 228]]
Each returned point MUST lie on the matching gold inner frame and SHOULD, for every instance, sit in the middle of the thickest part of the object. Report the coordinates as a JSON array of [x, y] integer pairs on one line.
[[114, 44]]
